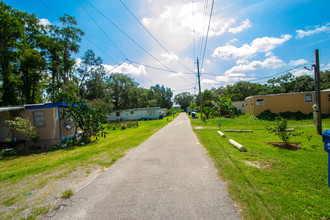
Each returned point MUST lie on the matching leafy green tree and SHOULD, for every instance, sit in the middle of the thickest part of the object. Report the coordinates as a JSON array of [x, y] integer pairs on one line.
[[32, 67], [183, 99], [89, 64], [11, 33], [25, 127], [120, 88], [163, 95], [69, 36], [88, 119], [325, 79]]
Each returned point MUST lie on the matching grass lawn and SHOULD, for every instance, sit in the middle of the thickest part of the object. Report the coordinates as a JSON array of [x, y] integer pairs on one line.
[[25, 180], [269, 182]]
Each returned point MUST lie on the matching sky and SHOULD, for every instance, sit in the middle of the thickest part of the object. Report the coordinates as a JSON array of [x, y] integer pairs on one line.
[[160, 41]]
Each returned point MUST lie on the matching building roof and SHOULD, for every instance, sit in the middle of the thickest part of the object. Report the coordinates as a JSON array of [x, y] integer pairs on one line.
[[46, 105], [292, 93], [11, 108], [34, 106]]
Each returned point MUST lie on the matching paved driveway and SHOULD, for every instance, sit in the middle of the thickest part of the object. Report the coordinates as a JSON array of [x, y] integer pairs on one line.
[[169, 176]]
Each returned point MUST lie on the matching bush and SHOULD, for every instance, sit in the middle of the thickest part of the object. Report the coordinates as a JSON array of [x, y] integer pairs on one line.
[[267, 115], [270, 116], [280, 130], [25, 127], [123, 126]]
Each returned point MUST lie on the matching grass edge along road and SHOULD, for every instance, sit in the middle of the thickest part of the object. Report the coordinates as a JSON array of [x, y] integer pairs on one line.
[[267, 182], [30, 185]]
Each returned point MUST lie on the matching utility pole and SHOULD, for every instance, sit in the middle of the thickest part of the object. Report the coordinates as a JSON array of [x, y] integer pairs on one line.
[[200, 91], [317, 93]]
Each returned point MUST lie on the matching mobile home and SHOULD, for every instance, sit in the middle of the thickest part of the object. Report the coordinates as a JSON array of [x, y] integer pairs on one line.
[[135, 114], [47, 119], [293, 102]]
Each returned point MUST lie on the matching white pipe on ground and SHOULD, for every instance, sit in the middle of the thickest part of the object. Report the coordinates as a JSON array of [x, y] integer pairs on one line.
[[221, 134], [238, 146]]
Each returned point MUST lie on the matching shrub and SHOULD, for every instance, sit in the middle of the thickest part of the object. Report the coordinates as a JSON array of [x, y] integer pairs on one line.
[[123, 126], [267, 115], [270, 116], [280, 130], [25, 127]]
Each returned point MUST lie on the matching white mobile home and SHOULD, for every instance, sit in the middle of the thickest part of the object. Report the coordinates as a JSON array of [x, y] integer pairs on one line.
[[135, 114]]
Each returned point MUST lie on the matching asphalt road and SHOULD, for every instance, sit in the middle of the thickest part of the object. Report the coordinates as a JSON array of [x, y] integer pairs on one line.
[[169, 176]]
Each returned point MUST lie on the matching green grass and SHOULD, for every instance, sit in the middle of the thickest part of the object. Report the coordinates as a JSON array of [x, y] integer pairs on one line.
[[19, 176], [290, 184], [67, 193]]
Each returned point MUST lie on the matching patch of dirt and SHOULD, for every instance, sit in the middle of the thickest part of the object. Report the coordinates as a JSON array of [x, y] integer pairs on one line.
[[291, 146], [257, 164], [200, 127], [33, 194]]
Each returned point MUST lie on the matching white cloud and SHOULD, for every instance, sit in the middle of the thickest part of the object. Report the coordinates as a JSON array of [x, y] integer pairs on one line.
[[232, 41], [297, 62], [258, 45], [232, 79], [44, 21], [272, 62], [173, 23], [301, 34], [126, 68], [176, 74], [325, 67], [170, 57], [244, 25], [208, 81]]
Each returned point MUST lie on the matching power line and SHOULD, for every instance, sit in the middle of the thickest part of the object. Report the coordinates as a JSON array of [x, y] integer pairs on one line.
[[55, 12], [100, 49], [271, 76], [193, 15], [102, 29], [50, 8], [152, 34], [123, 32], [201, 38], [208, 29]]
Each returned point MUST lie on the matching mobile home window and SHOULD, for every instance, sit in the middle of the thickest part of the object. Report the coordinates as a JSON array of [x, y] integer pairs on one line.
[[260, 102], [39, 118], [117, 114], [132, 112], [251, 102], [329, 97], [309, 98]]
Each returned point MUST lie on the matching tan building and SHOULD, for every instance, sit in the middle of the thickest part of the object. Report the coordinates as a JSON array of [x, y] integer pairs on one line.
[[293, 102], [47, 118]]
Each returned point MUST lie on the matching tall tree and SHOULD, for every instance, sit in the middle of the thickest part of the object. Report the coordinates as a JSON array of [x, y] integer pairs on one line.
[[69, 36], [184, 99], [11, 33], [120, 88], [162, 95], [91, 74]]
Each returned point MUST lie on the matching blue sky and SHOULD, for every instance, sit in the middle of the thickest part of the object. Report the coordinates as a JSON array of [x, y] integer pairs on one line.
[[247, 39]]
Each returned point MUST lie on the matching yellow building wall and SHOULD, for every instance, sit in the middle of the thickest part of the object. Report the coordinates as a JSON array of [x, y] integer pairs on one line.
[[286, 102]]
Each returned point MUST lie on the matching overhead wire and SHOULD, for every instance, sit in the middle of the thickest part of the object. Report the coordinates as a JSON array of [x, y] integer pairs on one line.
[[201, 38], [55, 12], [129, 37], [271, 76], [157, 41], [208, 29], [99, 26]]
